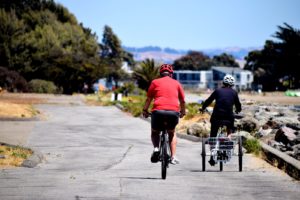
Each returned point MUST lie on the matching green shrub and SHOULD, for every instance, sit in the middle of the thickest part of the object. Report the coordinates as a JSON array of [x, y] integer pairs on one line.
[[134, 107], [12, 81], [252, 146], [42, 86], [192, 110]]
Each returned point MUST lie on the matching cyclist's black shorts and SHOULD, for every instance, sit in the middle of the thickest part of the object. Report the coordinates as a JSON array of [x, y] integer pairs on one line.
[[158, 117], [217, 122]]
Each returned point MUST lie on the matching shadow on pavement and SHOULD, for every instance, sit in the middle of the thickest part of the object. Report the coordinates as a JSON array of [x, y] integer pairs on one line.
[[143, 178]]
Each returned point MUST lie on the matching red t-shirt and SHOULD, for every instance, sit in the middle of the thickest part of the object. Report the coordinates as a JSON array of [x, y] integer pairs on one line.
[[166, 93]]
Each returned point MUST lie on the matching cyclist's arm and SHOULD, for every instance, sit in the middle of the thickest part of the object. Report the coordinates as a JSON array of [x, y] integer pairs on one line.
[[147, 104], [181, 101], [182, 108], [237, 103], [208, 101], [150, 95]]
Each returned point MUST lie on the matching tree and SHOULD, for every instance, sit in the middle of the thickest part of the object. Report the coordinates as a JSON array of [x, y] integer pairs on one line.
[[145, 73], [193, 61], [278, 60], [114, 55], [289, 50], [42, 40], [225, 60]]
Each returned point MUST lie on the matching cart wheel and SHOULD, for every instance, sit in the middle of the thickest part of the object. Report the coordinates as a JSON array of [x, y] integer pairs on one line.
[[203, 154], [240, 154], [221, 165]]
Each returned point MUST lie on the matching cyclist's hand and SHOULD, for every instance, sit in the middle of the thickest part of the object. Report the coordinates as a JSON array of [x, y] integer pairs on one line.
[[182, 114], [201, 110], [146, 113]]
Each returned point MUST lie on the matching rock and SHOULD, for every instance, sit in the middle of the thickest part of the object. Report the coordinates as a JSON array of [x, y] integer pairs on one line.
[[296, 149], [249, 124], [244, 134], [286, 120], [263, 132], [295, 126], [285, 135], [272, 124], [276, 145], [297, 139], [200, 129]]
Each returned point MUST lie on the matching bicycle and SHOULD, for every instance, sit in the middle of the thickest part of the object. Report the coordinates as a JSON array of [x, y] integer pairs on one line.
[[164, 149], [222, 148]]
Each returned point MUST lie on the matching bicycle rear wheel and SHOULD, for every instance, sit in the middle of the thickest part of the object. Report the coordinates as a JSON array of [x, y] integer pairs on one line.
[[240, 154], [221, 165], [164, 157], [203, 154]]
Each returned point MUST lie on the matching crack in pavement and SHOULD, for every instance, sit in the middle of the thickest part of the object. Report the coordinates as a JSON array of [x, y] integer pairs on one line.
[[120, 160]]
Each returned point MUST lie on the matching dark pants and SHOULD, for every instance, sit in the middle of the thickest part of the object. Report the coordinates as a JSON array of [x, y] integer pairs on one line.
[[164, 119], [216, 123]]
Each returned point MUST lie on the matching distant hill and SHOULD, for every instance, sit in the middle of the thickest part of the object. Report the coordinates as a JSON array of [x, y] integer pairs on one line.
[[168, 55]]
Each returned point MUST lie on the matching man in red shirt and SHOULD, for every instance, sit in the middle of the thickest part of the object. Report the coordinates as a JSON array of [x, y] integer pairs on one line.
[[169, 101]]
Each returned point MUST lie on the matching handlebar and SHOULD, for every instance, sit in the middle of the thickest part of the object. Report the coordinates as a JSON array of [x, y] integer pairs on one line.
[[235, 114]]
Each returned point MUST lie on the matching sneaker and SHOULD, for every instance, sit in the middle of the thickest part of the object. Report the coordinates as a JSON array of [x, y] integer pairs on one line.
[[174, 161], [212, 162], [155, 155]]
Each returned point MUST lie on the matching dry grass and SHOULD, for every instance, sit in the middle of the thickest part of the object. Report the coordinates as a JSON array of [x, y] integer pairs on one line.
[[13, 156], [12, 110]]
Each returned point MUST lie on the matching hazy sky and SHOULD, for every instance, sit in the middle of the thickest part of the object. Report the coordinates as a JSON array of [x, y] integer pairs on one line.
[[187, 24]]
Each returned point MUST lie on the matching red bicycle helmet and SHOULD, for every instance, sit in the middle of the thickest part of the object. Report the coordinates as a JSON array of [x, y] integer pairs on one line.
[[166, 68]]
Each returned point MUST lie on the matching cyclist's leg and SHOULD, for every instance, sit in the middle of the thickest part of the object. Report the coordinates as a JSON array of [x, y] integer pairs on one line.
[[173, 119], [230, 127], [155, 138], [155, 127], [155, 120], [173, 141], [214, 128]]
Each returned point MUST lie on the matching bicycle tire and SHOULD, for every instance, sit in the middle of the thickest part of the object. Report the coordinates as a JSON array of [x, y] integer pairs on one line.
[[203, 154], [240, 154], [164, 157], [221, 165]]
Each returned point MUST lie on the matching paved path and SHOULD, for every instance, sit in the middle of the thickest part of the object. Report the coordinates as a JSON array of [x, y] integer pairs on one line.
[[103, 153]]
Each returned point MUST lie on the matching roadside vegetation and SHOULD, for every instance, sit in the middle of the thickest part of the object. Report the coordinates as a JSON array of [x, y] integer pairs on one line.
[[13, 156], [13, 110], [252, 146]]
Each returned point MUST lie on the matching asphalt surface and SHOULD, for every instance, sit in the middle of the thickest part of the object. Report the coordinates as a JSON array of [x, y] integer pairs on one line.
[[103, 153]]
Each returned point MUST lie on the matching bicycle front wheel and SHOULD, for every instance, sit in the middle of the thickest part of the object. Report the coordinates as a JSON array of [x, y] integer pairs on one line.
[[240, 154], [203, 154], [164, 159]]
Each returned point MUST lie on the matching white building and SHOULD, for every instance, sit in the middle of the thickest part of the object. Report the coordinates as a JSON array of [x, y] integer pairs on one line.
[[194, 79], [213, 78]]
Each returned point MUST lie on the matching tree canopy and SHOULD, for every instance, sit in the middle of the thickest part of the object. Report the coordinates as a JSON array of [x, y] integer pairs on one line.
[[113, 55], [275, 65], [195, 60], [224, 60], [41, 39]]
